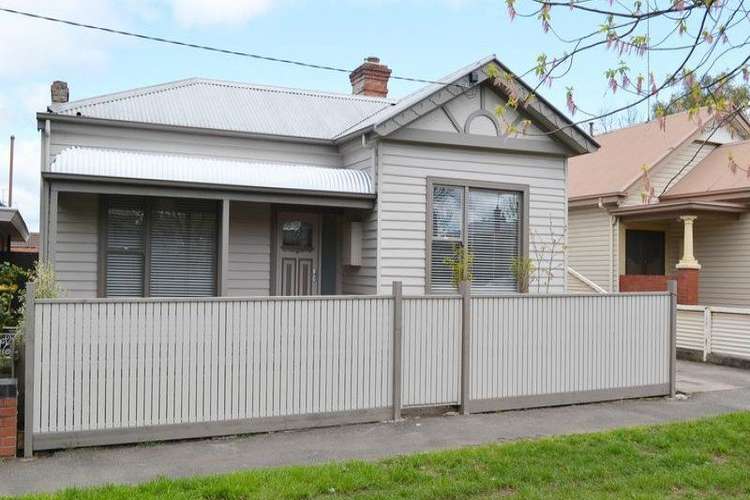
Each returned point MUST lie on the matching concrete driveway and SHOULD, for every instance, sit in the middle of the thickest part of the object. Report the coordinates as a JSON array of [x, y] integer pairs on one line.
[[712, 390]]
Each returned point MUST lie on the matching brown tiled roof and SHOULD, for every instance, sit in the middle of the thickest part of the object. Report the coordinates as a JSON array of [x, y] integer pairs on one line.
[[617, 165], [29, 246], [714, 175]]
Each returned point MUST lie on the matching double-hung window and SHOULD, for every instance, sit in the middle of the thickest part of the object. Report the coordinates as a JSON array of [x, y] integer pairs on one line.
[[159, 247], [486, 219]]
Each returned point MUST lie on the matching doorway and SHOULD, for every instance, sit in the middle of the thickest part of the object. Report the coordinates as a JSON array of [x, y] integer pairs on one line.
[[297, 253]]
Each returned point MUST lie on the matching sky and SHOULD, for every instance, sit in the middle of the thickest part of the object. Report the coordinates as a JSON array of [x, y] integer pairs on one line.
[[416, 38]]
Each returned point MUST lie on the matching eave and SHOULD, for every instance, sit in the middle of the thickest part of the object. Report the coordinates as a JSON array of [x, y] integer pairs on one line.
[[677, 208]]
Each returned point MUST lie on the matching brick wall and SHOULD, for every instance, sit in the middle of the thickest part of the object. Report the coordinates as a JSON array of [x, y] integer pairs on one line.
[[643, 283], [687, 284], [8, 417]]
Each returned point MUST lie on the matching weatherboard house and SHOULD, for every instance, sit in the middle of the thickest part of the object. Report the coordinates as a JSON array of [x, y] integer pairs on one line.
[[686, 219], [202, 187]]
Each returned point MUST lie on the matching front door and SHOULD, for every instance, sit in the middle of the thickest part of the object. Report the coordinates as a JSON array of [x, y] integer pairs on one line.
[[298, 253]]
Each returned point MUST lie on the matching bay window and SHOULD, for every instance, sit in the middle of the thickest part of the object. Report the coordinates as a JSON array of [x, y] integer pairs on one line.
[[488, 219]]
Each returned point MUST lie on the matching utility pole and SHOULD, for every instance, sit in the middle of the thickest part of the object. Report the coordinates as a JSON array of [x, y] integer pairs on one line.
[[10, 171]]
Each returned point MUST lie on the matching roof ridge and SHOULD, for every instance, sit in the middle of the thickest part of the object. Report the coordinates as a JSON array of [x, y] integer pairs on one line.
[[122, 95], [176, 84], [295, 90], [642, 124]]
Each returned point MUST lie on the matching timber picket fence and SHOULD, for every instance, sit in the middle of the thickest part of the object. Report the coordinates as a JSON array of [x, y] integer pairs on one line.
[[717, 333], [108, 371]]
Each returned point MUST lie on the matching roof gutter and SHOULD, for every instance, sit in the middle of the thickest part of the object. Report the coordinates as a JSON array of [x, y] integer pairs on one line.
[[12, 216], [732, 193], [602, 199], [682, 206]]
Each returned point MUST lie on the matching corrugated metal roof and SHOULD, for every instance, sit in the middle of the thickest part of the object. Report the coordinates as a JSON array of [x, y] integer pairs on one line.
[[238, 107], [249, 108], [202, 170]]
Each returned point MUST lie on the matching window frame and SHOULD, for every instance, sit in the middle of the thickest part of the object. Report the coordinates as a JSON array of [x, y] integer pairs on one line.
[[147, 203], [467, 185]]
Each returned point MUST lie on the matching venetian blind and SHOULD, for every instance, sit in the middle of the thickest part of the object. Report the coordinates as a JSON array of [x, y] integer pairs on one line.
[[183, 248], [494, 239], [447, 233], [125, 248]]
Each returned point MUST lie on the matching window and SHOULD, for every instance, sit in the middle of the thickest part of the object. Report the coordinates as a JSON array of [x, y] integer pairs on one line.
[[489, 221], [160, 248], [297, 235], [644, 252]]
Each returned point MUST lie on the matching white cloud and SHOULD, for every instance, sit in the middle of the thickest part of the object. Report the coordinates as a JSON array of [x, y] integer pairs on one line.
[[34, 97], [31, 45], [210, 12]]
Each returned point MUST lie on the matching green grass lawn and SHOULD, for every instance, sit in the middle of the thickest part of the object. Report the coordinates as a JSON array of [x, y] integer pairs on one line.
[[707, 458]]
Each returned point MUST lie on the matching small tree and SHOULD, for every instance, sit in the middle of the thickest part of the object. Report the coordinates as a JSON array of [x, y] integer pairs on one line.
[[545, 249]]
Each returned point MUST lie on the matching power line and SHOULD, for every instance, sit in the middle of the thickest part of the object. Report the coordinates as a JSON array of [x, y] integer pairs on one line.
[[201, 47]]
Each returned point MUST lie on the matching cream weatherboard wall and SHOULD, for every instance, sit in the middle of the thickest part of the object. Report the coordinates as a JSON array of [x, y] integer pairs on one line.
[[362, 280], [404, 169], [722, 246], [249, 249], [577, 286], [589, 250], [671, 170], [76, 256]]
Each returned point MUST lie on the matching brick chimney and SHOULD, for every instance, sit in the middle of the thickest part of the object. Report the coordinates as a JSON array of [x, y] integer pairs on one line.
[[59, 91], [371, 78]]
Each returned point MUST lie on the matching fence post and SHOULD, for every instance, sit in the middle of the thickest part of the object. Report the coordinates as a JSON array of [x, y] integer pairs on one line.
[[465, 289], [28, 375], [672, 288], [707, 327], [397, 339]]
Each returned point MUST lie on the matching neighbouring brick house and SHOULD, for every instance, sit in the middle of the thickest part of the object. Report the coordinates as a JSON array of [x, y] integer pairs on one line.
[[695, 226]]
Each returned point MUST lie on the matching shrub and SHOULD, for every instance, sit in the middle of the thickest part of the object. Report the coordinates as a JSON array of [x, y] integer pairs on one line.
[[460, 263], [45, 287]]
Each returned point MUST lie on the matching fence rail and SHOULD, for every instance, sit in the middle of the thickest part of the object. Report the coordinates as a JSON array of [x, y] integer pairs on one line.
[[714, 331], [124, 370]]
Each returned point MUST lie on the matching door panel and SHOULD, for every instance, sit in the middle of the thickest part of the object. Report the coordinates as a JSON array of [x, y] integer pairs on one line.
[[305, 277], [297, 253], [288, 280]]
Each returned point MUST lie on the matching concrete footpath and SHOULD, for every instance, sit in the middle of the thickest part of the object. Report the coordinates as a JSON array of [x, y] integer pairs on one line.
[[712, 390]]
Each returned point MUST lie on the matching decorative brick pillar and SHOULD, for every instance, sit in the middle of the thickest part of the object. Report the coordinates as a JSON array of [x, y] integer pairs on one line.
[[8, 417], [687, 286]]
